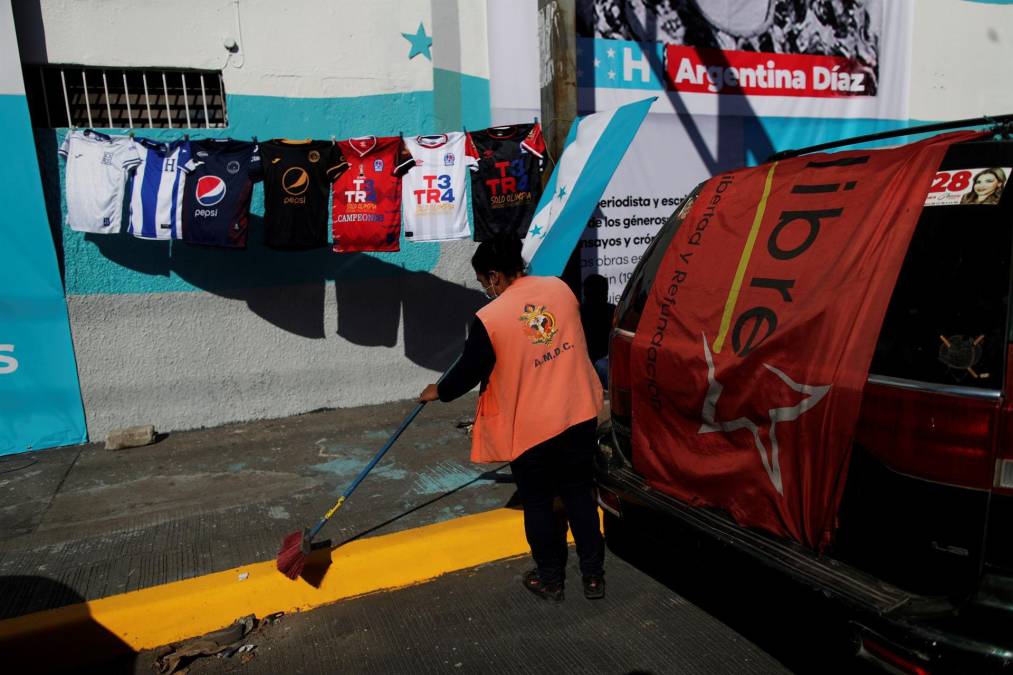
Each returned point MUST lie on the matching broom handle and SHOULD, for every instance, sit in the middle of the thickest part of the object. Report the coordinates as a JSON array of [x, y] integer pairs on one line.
[[376, 458]]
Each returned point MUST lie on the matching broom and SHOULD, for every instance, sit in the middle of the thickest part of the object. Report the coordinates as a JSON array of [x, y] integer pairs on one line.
[[297, 546]]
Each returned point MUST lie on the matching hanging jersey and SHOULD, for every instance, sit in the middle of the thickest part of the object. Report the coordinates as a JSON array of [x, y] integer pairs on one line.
[[367, 197], [297, 178], [216, 196], [97, 167], [432, 192], [506, 184], [156, 199]]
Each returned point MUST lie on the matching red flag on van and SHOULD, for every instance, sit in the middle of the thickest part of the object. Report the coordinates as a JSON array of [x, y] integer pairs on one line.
[[753, 349]]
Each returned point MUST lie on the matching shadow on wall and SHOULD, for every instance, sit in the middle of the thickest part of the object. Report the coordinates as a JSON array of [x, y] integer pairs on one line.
[[372, 295], [82, 640], [49, 170]]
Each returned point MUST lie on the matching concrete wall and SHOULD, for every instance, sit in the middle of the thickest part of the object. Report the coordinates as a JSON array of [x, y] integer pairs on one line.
[[184, 337]]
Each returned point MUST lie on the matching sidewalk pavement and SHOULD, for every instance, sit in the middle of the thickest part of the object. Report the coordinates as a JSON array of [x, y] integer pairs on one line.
[[81, 523]]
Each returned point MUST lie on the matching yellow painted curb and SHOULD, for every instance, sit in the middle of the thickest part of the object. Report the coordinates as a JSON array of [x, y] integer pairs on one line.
[[162, 614]]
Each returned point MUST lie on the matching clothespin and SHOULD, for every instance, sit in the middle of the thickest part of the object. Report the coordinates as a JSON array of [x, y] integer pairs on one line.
[[334, 141], [186, 137], [254, 140]]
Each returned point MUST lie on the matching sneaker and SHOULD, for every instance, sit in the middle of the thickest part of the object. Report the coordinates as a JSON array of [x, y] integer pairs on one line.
[[551, 592], [594, 586]]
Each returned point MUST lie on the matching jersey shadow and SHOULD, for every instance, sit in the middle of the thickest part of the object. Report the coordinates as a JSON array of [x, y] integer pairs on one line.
[[288, 290], [375, 295], [143, 256]]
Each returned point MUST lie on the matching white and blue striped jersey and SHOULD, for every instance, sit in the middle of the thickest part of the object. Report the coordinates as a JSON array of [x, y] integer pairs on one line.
[[156, 199]]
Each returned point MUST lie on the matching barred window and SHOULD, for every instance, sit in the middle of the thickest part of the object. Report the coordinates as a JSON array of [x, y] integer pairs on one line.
[[124, 98]]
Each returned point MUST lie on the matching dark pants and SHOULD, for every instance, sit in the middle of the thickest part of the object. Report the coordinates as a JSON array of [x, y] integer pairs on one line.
[[561, 466]]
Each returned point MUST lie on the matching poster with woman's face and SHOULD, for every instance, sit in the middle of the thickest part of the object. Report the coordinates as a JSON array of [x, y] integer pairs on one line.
[[981, 186], [820, 48]]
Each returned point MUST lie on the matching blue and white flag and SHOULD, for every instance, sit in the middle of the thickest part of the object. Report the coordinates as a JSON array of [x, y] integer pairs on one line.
[[592, 152]]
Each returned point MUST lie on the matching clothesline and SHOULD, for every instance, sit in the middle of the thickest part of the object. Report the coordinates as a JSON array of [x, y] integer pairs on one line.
[[199, 190]]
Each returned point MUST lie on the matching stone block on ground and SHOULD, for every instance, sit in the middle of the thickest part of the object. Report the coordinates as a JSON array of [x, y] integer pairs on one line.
[[131, 437]]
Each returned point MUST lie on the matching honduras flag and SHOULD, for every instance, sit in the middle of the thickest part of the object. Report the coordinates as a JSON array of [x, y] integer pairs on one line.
[[592, 152]]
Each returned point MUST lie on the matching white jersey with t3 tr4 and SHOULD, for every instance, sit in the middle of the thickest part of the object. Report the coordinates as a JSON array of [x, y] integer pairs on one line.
[[432, 192]]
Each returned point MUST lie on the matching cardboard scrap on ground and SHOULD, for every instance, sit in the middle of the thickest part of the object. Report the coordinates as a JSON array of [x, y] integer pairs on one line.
[[225, 642]]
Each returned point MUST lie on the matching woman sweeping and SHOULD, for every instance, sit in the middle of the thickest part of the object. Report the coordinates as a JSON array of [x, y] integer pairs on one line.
[[537, 408]]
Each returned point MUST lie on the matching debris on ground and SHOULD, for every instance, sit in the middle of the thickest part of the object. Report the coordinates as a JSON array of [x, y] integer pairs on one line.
[[225, 643], [465, 424]]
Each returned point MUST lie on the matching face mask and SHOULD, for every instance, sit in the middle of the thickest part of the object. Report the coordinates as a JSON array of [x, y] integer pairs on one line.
[[490, 290]]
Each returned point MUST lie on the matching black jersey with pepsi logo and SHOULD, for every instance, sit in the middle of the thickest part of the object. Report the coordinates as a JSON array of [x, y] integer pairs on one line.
[[297, 181], [216, 199], [506, 184]]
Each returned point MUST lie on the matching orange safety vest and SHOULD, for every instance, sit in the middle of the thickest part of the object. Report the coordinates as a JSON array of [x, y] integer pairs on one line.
[[543, 381]]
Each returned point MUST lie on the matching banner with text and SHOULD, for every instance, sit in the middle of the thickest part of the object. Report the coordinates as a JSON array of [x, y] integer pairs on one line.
[[670, 155], [716, 67], [40, 399], [754, 346], [750, 57]]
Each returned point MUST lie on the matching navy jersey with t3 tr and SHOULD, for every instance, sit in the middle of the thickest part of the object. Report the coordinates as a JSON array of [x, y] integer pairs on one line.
[[216, 203]]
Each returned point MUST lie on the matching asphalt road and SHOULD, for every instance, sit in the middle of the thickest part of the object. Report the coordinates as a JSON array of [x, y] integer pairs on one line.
[[483, 621], [675, 604]]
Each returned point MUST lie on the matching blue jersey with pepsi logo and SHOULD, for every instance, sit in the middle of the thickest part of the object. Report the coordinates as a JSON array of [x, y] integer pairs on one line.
[[216, 202]]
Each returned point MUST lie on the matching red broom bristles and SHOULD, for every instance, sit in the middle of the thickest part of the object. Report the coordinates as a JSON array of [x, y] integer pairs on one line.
[[291, 559]]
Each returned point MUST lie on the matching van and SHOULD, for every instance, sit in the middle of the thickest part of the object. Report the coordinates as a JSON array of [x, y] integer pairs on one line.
[[922, 557]]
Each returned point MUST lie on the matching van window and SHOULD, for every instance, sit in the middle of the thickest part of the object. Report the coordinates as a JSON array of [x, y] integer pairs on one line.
[[947, 318], [634, 297]]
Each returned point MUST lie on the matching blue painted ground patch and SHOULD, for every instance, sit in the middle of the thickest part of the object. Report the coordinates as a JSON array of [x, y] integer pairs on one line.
[[447, 476]]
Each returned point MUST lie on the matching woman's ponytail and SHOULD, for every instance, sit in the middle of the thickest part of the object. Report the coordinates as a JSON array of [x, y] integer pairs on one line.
[[501, 253]]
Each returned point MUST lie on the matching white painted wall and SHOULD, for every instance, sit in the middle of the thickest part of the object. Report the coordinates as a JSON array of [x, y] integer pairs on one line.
[[460, 42], [299, 48], [10, 73], [961, 61], [514, 66]]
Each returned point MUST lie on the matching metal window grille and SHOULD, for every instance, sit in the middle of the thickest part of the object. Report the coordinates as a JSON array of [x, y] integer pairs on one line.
[[124, 98]]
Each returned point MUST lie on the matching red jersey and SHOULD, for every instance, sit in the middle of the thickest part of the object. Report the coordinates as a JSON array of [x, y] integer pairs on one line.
[[367, 197]]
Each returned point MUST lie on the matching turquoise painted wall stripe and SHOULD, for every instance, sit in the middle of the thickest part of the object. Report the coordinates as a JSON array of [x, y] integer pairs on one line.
[[40, 400], [119, 264]]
